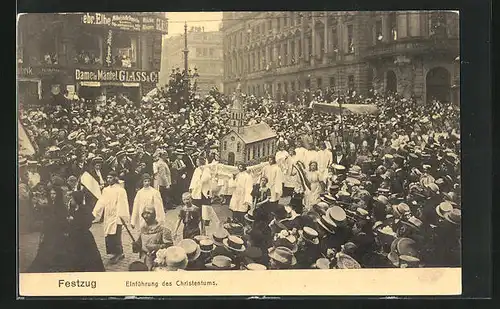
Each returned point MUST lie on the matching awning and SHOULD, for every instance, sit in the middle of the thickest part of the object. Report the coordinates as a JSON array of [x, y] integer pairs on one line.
[[105, 84]]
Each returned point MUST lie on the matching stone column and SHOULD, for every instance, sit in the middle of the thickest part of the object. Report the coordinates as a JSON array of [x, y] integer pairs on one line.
[[303, 38]]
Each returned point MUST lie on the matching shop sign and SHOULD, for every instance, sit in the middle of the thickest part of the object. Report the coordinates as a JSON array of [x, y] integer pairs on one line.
[[105, 75], [38, 71], [127, 22]]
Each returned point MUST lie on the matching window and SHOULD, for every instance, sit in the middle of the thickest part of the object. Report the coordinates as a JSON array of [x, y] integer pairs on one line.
[[269, 148], [285, 54], [378, 32], [319, 81], [393, 24], [438, 25], [292, 54], [309, 48], [278, 24], [211, 52], [292, 86], [238, 147], [308, 83], [350, 84], [300, 48], [248, 154], [225, 145], [350, 39], [258, 151], [332, 82], [278, 53], [270, 26]]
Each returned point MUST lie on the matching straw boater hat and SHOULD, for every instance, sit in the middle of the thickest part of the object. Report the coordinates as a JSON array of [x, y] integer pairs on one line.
[[327, 198], [401, 209], [206, 245], [328, 224], [454, 216], [283, 255], [234, 243], [322, 263], [255, 266], [309, 235], [234, 228], [443, 208], [176, 258], [289, 242], [337, 214], [192, 249], [220, 262], [345, 261]]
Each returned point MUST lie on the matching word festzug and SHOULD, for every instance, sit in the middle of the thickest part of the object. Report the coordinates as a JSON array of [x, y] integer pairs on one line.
[[116, 76], [77, 284]]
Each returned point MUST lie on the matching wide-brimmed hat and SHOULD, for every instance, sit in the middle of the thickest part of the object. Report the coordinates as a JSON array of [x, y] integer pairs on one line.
[[176, 258], [345, 261], [97, 159], [454, 216], [327, 198], [381, 199], [130, 151], [322, 263], [338, 167], [283, 255], [310, 235], [337, 214], [401, 209], [234, 228], [249, 217], [192, 249], [413, 222], [443, 208], [219, 236], [179, 151], [255, 266], [220, 262], [328, 224], [234, 243]]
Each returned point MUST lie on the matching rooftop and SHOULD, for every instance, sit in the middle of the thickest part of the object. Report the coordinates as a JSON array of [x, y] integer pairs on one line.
[[255, 133]]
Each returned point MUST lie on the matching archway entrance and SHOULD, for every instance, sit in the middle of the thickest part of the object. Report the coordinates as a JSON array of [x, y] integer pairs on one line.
[[230, 158], [438, 85], [391, 82]]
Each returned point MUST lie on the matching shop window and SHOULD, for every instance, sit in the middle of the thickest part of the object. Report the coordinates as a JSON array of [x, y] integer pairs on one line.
[[350, 39]]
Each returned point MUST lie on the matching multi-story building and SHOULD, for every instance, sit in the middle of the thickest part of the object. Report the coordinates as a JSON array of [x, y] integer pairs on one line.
[[93, 55], [281, 53], [205, 54]]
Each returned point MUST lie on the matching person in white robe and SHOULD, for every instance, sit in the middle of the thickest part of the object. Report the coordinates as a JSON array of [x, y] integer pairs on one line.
[[300, 152], [325, 158], [200, 189], [113, 205], [317, 185], [146, 196], [275, 176], [281, 156], [290, 181], [241, 199]]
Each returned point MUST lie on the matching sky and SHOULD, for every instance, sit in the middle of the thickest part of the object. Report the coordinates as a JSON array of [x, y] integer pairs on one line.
[[209, 20]]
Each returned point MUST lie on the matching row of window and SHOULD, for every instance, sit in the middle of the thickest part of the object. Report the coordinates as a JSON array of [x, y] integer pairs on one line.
[[206, 52], [256, 151], [293, 86]]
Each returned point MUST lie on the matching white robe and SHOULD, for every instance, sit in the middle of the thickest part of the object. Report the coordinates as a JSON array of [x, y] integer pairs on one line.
[[242, 192], [300, 154], [147, 197], [280, 159], [113, 204], [200, 182], [275, 179]]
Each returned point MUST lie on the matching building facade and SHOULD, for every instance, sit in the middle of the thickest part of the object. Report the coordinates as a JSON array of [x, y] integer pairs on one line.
[[282, 53], [205, 54], [93, 55]]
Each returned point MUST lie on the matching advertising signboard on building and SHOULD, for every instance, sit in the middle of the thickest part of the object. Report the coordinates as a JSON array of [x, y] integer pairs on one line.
[[110, 75], [124, 21]]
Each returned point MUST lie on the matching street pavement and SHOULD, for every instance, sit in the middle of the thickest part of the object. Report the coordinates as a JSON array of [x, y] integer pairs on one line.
[[28, 243]]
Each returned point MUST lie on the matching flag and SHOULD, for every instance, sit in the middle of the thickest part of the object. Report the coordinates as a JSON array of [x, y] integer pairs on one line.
[[91, 184], [26, 148]]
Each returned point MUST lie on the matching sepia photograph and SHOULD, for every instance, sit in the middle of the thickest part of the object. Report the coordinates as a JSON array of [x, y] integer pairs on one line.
[[197, 144]]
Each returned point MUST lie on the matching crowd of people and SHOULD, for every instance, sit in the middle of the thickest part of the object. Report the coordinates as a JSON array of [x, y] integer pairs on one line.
[[357, 191]]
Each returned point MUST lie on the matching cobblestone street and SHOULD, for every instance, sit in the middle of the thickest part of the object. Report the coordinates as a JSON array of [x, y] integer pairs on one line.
[[28, 244]]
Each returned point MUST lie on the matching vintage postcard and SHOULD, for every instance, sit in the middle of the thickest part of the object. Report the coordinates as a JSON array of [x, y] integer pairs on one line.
[[239, 153]]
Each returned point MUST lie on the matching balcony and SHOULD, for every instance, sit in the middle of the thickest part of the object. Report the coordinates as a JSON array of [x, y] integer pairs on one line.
[[412, 46]]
